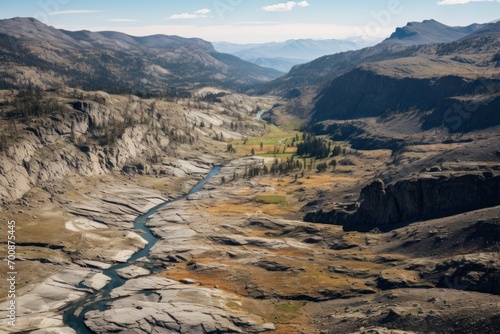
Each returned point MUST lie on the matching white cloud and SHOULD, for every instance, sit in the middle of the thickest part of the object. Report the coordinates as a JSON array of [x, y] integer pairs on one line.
[[78, 11], [462, 2], [202, 13], [285, 6]]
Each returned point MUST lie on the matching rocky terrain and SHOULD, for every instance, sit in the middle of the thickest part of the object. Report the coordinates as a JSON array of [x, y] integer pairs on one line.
[[406, 201], [394, 230], [75, 179]]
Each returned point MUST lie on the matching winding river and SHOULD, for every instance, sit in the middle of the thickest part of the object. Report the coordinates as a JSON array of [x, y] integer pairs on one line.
[[260, 114], [74, 315]]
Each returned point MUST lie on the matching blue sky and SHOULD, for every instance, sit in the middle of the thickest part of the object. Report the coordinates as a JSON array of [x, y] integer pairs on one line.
[[245, 21]]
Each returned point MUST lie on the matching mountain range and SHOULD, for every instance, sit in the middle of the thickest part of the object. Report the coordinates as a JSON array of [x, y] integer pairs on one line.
[[418, 66], [283, 56], [420, 69], [32, 52]]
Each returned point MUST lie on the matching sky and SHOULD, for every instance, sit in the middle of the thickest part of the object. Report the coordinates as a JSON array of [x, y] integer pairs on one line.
[[245, 21]]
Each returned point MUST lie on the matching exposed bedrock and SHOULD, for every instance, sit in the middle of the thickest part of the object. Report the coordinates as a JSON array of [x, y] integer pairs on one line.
[[388, 207]]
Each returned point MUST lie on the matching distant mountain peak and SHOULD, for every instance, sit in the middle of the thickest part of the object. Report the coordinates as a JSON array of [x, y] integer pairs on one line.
[[429, 32]]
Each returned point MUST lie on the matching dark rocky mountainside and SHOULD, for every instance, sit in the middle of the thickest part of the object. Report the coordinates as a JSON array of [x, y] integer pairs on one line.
[[388, 207], [393, 76], [464, 114], [364, 93], [427, 78], [32, 52]]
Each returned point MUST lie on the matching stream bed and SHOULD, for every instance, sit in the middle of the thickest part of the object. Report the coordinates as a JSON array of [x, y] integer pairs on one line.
[[74, 315]]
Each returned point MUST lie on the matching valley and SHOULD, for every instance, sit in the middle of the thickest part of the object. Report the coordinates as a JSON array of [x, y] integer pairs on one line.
[[359, 193]]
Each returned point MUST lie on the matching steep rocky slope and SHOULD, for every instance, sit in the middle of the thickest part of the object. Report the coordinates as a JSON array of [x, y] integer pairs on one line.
[[96, 133], [365, 93]]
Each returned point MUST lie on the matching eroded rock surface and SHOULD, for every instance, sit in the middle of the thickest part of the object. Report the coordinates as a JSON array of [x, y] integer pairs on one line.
[[160, 305]]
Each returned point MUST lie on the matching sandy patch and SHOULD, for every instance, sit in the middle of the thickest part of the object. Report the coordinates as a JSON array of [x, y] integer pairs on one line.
[[82, 224]]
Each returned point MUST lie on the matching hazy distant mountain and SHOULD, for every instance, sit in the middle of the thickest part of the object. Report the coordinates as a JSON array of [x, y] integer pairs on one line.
[[32, 52], [284, 55], [429, 32]]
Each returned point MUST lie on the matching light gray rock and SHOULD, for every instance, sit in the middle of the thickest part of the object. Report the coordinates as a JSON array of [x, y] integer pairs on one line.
[[181, 309], [97, 282], [132, 272], [40, 308], [97, 264]]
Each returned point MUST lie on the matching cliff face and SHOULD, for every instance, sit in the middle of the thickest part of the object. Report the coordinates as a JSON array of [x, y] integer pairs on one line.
[[364, 93], [44, 151], [407, 201], [465, 114]]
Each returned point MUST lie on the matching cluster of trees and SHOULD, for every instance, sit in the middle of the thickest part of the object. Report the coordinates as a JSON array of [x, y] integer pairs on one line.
[[213, 98], [278, 167], [313, 147], [31, 101], [317, 147], [290, 165], [321, 167]]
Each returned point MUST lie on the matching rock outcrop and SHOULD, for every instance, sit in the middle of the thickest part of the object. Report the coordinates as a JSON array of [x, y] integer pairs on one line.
[[388, 207], [160, 305], [464, 114], [473, 272], [39, 309], [97, 133]]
